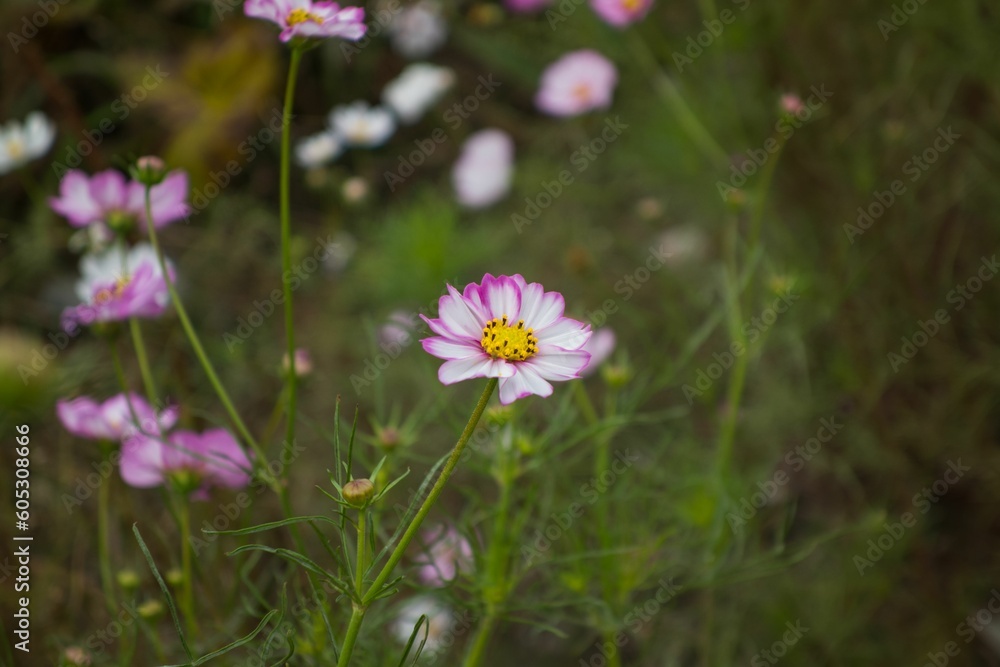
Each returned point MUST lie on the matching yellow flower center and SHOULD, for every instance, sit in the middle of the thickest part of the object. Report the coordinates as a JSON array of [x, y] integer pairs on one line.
[[508, 341], [632, 5], [15, 149], [297, 16], [581, 91], [108, 293]]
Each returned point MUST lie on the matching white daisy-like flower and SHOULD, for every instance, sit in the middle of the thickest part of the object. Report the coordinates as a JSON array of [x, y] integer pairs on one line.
[[318, 149], [22, 143], [419, 30], [440, 619], [416, 90], [362, 125]]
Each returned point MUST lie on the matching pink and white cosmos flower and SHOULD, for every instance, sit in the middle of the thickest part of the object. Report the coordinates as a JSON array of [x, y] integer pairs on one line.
[[117, 286], [483, 172], [509, 329], [621, 13], [448, 554], [579, 82], [600, 346], [305, 18], [114, 419], [199, 461], [108, 198]]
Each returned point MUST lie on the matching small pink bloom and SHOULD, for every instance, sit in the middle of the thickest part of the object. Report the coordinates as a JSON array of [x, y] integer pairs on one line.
[[116, 286], [483, 172], [107, 197], [621, 13], [305, 18], [526, 6], [448, 553], [113, 419], [791, 103], [600, 346], [578, 82], [398, 331], [208, 459], [509, 329]]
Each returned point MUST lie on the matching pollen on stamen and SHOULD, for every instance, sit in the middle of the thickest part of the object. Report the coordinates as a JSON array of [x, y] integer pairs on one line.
[[512, 342]]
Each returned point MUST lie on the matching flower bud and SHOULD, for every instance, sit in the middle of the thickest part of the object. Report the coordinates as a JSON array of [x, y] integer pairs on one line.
[[617, 375], [149, 170], [355, 190], [128, 580], [74, 656], [174, 577], [499, 415], [358, 492], [150, 609]]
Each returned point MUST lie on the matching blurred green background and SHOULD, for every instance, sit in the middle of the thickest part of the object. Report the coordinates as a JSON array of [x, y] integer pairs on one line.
[[858, 297]]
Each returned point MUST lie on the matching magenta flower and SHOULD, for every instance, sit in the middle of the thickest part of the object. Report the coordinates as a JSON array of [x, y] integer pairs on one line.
[[108, 198], [621, 13], [509, 329], [116, 286], [305, 18], [113, 419], [195, 461], [600, 346], [448, 553], [577, 83]]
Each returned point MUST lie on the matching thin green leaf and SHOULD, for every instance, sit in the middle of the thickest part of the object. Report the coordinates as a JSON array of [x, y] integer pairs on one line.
[[164, 589], [269, 526]]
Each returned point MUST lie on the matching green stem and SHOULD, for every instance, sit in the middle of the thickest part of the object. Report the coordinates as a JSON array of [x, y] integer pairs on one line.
[[140, 353], [192, 336], [359, 577], [357, 616], [186, 569], [286, 249], [103, 545], [765, 183], [477, 650], [435, 491], [674, 101]]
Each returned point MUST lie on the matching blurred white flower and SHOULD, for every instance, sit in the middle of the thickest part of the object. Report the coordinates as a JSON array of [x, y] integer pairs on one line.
[[362, 125], [339, 252], [416, 90], [318, 149], [399, 329], [440, 620], [22, 143], [683, 244], [355, 189], [483, 172], [418, 30]]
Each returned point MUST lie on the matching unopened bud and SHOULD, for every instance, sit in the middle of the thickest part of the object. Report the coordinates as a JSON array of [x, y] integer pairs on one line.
[[174, 577], [358, 492], [76, 657], [616, 375], [149, 170], [150, 609], [128, 580]]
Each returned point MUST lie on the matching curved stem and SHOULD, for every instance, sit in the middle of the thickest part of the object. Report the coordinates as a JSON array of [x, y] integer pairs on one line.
[[140, 353], [286, 250], [358, 614], [192, 336], [436, 490]]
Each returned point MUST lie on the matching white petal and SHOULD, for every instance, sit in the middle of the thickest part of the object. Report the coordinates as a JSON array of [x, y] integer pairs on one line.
[[502, 296], [558, 364], [458, 314], [539, 308], [523, 383], [473, 367], [443, 348], [566, 333]]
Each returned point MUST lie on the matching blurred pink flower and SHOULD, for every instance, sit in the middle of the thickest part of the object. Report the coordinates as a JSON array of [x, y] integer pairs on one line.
[[116, 286], [577, 83], [398, 330], [483, 172], [600, 346], [448, 554], [526, 6], [621, 13], [107, 197], [113, 419], [509, 329], [303, 362], [201, 460], [791, 103], [305, 18]]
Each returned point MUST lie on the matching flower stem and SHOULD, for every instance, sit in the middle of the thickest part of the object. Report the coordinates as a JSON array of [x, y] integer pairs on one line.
[[353, 628], [192, 336], [103, 550], [140, 353], [484, 633], [291, 378], [358, 614], [187, 599], [359, 576]]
